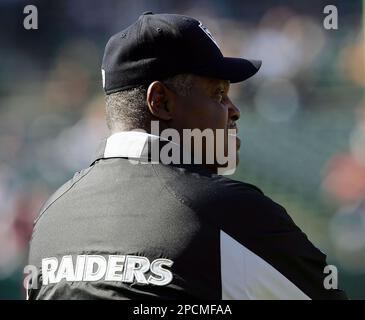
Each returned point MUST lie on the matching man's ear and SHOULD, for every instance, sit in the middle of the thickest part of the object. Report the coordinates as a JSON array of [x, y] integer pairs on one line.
[[159, 100]]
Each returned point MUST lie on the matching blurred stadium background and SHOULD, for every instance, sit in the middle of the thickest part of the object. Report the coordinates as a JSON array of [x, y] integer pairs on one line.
[[302, 122]]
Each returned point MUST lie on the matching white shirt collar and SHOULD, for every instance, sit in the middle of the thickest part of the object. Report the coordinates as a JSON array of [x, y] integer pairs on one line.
[[129, 144]]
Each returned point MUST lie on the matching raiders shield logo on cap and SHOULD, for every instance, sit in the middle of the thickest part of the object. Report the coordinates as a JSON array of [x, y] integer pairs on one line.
[[207, 32]]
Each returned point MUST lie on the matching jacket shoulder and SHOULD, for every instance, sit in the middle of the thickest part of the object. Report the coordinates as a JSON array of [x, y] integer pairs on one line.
[[206, 192], [62, 190]]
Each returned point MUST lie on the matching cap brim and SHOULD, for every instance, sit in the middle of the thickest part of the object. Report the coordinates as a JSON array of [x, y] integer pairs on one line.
[[232, 69]]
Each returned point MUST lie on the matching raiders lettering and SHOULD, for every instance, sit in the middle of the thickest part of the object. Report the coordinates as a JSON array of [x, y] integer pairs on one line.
[[124, 268]]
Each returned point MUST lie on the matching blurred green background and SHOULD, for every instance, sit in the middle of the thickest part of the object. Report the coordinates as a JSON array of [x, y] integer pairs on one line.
[[302, 117]]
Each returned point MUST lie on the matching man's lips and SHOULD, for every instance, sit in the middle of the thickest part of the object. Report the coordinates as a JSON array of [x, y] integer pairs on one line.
[[238, 140]]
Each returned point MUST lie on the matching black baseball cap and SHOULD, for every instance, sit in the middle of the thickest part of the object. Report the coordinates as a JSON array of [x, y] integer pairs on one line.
[[158, 46]]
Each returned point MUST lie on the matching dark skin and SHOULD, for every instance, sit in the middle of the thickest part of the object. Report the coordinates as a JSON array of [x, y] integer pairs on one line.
[[207, 106]]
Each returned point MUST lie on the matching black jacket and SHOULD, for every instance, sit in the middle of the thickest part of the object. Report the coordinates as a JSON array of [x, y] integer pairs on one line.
[[123, 230]]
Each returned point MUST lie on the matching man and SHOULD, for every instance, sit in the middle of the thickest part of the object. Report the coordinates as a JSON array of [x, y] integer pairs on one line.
[[131, 227]]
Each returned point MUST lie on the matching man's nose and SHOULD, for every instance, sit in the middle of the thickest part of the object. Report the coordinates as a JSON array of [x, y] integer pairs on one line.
[[233, 111]]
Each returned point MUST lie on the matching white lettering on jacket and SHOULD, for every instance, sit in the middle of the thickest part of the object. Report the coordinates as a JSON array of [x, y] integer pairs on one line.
[[123, 268]]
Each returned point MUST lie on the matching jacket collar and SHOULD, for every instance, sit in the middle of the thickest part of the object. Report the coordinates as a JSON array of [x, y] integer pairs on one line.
[[129, 144]]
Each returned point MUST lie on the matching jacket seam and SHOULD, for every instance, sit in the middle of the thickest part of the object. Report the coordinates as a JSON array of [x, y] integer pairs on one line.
[[170, 190], [62, 194]]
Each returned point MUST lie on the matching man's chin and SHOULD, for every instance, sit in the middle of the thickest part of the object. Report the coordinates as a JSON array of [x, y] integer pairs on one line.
[[238, 146]]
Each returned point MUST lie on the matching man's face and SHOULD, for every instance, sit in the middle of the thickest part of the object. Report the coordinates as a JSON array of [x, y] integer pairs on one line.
[[207, 107]]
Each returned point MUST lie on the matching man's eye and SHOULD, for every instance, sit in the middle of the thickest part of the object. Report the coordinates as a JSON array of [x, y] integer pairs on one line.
[[220, 96]]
